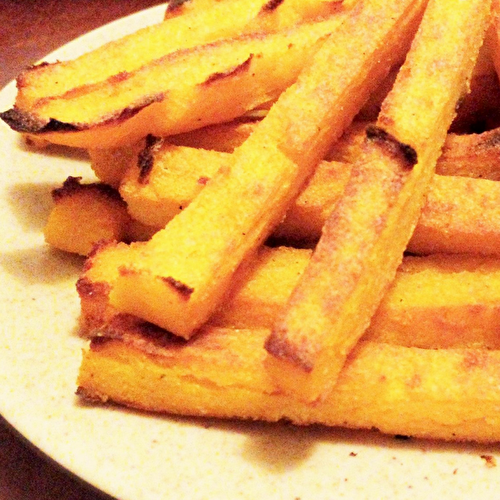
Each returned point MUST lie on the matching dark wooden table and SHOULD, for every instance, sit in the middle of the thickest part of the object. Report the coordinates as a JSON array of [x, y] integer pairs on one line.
[[30, 29]]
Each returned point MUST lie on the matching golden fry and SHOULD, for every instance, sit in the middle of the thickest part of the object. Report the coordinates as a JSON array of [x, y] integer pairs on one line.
[[179, 92], [438, 301], [461, 215], [446, 394], [110, 165], [166, 178], [85, 214], [435, 302], [191, 26], [364, 239], [441, 301], [179, 278]]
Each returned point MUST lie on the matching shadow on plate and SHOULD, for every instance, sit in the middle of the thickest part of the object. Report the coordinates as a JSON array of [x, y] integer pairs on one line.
[[41, 264], [53, 150], [31, 204], [280, 447]]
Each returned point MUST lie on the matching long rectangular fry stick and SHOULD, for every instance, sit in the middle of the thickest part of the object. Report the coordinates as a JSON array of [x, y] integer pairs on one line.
[[179, 278], [461, 215], [468, 155], [364, 239], [446, 394], [201, 23], [439, 301], [179, 92], [435, 302]]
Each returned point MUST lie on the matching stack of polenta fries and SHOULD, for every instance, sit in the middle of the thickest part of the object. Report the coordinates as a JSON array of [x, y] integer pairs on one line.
[[293, 219]]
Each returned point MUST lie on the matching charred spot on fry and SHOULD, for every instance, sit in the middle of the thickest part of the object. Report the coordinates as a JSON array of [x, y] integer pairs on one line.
[[140, 334], [121, 115], [43, 64], [90, 397], [89, 288], [145, 160], [392, 145], [270, 6], [240, 68], [184, 290], [134, 108], [25, 122], [54, 125], [73, 185], [175, 6], [279, 347], [70, 185]]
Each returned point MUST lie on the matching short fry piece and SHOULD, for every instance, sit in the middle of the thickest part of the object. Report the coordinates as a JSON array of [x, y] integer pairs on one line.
[[220, 373], [85, 214], [179, 278], [110, 165], [364, 239]]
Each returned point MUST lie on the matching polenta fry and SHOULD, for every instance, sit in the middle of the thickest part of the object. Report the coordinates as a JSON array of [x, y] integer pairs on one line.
[[468, 225], [197, 25], [364, 239], [184, 271], [398, 390], [439, 301], [459, 215], [85, 214], [179, 92]]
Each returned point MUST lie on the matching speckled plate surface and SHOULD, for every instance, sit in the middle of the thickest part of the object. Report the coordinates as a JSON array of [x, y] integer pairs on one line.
[[141, 456]]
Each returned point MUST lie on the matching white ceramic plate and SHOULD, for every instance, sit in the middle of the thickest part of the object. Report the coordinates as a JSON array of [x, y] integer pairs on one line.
[[140, 456]]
